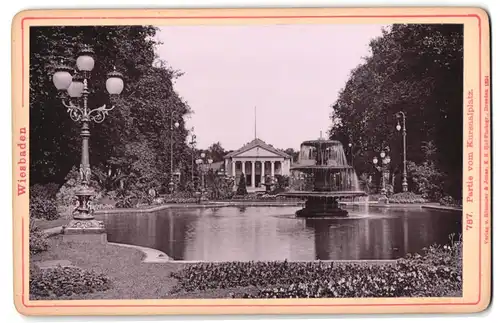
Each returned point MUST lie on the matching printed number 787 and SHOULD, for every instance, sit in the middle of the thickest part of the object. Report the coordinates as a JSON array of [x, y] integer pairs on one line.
[[469, 222]]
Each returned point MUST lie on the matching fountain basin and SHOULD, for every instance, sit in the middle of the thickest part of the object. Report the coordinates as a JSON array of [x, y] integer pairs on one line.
[[326, 194], [323, 204]]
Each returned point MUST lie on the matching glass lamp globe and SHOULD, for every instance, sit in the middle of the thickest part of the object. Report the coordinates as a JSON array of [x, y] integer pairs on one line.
[[350, 145], [375, 160], [176, 125], [203, 155], [75, 89], [62, 77], [210, 161], [85, 61], [114, 83], [398, 127], [382, 154]]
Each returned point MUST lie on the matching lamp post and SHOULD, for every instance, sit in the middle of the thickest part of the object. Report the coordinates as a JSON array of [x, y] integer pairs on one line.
[[203, 164], [402, 115], [172, 125], [74, 93], [385, 159], [192, 143]]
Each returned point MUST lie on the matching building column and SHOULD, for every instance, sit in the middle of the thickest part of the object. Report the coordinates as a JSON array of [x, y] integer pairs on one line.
[[282, 167], [243, 162], [253, 173], [272, 169], [233, 168], [262, 172]]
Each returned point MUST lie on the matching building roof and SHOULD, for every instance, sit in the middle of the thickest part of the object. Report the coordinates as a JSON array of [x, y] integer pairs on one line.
[[257, 143]]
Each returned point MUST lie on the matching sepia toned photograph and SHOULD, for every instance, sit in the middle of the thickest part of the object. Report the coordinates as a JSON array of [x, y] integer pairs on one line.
[[246, 161]]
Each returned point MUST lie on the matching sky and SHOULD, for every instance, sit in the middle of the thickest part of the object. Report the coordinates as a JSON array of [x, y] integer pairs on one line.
[[289, 74]]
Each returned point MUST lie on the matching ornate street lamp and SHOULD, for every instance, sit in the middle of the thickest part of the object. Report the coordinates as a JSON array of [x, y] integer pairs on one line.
[[74, 93], [192, 143], [203, 164], [402, 115], [383, 168]]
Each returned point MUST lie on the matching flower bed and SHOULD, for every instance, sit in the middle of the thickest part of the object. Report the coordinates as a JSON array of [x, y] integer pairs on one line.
[[64, 281], [437, 273], [407, 198], [450, 201]]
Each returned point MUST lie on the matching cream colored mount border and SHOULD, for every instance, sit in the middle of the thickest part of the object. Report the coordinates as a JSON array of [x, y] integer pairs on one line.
[[477, 282]]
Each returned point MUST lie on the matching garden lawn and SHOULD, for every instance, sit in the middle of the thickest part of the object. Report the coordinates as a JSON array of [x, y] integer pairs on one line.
[[130, 278], [437, 273], [43, 224]]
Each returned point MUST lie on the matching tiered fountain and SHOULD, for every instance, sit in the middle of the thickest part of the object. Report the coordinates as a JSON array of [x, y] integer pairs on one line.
[[328, 178]]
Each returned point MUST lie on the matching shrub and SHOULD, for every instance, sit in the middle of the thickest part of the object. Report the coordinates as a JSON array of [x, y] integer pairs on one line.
[[42, 201], [47, 191], [406, 198], [61, 281], [38, 240], [426, 177], [180, 200], [126, 200], [41, 208], [242, 186], [450, 201]]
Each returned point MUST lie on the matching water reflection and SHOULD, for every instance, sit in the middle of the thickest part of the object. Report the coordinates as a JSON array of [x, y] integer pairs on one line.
[[273, 233]]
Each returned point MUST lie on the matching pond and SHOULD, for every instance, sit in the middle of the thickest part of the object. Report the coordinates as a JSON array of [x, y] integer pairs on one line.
[[274, 233]]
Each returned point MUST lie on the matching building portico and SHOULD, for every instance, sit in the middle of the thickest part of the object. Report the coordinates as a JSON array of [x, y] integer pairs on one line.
[[257, 160]]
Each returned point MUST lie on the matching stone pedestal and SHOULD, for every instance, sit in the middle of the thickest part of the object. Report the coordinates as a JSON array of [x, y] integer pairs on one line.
[[85, 231], [322, 207]]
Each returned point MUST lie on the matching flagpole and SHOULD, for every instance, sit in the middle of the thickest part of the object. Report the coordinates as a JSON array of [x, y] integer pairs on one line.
[[255, 122]]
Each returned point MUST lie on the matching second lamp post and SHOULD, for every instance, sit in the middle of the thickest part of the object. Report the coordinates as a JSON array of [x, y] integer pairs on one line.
[[203, 164], [383, 169], [399, 128], [173, 126]]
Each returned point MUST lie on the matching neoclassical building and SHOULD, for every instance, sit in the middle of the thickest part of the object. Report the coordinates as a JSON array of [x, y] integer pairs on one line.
[[257, 160]]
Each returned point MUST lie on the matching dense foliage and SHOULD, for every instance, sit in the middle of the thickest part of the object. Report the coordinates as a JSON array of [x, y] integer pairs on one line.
[[43, 201], [281, 184], [218, 187], [131, 148], [450, 201], [56, 282], [407, 198], [38, 240], [417, 69], [436, 273]]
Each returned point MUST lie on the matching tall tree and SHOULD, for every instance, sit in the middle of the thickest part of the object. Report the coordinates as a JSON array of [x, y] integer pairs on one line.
[[135, 137], [417, 69], [216, 152]]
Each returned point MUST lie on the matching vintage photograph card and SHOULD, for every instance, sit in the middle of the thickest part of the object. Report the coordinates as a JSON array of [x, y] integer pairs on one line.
[[251, 161]]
